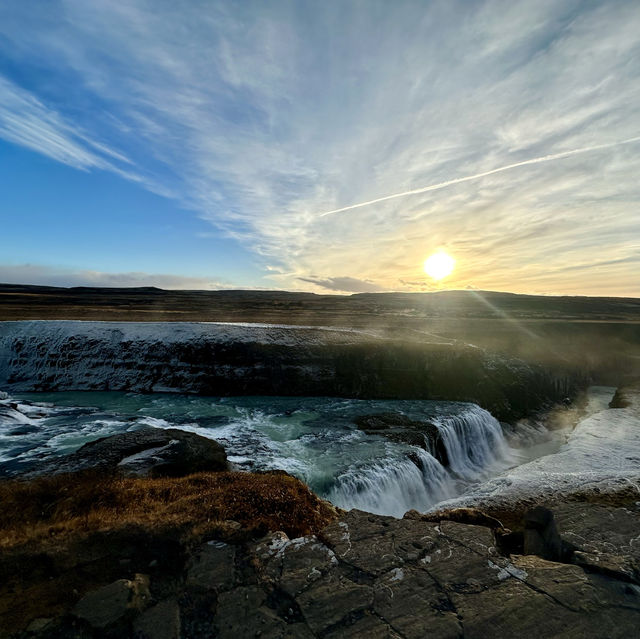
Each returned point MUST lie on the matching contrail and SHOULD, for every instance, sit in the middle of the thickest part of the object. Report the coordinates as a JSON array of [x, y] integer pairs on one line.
[[468, 178]]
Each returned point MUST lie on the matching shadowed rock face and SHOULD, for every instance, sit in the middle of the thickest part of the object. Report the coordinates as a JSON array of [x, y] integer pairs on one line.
[[400, 428], [541, 535], [251, 360], [148, 452]]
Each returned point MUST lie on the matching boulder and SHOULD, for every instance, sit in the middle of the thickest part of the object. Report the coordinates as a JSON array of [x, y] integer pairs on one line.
[[619, 400], [115, 603], [400, 428], [605, 537], [212, 567], [148, 452]]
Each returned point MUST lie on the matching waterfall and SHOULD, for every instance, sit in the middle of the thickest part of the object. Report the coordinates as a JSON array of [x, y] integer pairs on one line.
[[475, 444], [395, 487], [474, 441]]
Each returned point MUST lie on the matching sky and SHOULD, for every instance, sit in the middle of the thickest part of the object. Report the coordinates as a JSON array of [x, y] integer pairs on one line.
[[321, 146]]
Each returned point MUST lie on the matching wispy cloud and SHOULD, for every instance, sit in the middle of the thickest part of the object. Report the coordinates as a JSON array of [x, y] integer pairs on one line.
[[521, 119], [477, 176], [26, 121]]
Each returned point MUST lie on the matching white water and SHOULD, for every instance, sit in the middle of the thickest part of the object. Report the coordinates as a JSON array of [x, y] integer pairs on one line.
[[392, 489]]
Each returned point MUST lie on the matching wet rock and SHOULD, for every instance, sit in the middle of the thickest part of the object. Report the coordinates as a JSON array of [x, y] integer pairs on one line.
[[114, 603], [27, 429], [401, 428], [148, 452], [9, 413]]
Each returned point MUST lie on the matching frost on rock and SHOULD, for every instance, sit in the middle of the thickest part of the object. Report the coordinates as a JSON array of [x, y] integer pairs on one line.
[[159, 356]]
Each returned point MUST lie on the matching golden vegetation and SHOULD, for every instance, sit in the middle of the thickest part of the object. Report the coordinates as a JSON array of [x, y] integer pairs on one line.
[[59, 507]]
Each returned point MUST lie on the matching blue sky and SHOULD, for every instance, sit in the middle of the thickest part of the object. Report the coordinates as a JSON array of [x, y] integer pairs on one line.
[[197, 144]]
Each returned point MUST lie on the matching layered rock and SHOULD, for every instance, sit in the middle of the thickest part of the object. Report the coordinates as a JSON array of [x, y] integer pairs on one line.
[[237, 359], [400, 428]]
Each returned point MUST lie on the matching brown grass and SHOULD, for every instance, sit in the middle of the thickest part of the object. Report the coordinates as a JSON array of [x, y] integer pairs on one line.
[[56, 508]]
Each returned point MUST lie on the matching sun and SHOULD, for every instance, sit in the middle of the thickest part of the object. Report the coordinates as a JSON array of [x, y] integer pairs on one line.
[[439, 265]]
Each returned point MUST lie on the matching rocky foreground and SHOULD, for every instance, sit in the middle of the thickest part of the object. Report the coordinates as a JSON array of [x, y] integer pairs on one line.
[[366, 576]]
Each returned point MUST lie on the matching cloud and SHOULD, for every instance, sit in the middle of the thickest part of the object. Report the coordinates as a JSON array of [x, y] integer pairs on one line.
[[257, 116], [467, 178], [344, 284], [24, 120], [51, 276]]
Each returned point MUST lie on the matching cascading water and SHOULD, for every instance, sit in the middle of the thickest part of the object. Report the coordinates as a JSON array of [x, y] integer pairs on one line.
[[475, 447], [475, 443], [393, 488]]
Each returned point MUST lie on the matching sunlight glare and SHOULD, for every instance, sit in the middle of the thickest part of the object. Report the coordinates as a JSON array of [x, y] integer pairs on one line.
[[439, 265]]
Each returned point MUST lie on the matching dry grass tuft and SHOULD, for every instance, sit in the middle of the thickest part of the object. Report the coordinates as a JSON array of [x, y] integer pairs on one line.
[[77, 504]]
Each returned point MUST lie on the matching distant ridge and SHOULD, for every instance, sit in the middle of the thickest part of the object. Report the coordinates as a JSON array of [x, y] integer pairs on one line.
[[149, 303]]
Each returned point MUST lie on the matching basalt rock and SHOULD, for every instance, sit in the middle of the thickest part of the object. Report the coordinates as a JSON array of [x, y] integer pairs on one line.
[[148, 452], [369, 576], [400, 428], [541, 535], [114, 603]]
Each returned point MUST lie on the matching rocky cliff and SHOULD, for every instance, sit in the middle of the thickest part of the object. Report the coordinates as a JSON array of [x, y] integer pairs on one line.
[[363, 576], [253, 359]]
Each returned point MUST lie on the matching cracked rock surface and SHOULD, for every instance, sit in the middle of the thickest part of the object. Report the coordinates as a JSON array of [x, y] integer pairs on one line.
[[370, 576]]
